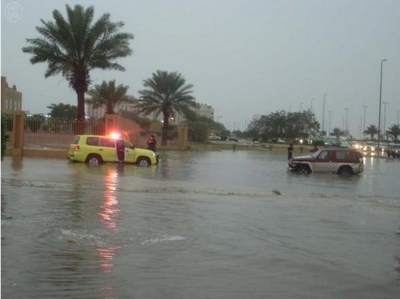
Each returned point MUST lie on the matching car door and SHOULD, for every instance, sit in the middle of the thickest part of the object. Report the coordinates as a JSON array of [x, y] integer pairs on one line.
[[107, 149], [129, 152], [324, 162]]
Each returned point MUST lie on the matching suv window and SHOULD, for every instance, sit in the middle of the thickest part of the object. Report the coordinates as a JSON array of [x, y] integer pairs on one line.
[[127, 144], [76, 139], [325, 155], [108, 142], [342, 155], [94, 141], [346, 155]]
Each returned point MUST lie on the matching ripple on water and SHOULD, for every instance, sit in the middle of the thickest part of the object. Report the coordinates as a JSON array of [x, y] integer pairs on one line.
[[162, 239]]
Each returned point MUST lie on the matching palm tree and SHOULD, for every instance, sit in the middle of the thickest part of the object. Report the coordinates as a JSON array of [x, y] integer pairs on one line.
[[166, 93], [337, 133], [371, 130], [77, 45], [394, 130], [108, 95]]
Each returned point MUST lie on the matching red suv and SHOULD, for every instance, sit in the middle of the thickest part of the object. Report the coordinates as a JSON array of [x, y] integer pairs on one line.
[[332, 160]]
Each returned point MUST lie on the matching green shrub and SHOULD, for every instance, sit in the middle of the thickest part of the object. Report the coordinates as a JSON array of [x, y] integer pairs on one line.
[[319, 142], [4, 136]]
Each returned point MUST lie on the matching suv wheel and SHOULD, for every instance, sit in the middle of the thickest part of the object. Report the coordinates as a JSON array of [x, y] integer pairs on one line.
[[303, 169], [93, 159], [345, 170], [143, 161]]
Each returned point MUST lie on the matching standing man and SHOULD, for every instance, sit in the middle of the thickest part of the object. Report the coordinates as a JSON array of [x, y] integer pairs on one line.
[[151, 143], [315, 148], [290, 150], [120, 150]]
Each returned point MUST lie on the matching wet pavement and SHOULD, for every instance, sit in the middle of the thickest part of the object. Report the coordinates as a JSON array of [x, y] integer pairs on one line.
[[207, 224]]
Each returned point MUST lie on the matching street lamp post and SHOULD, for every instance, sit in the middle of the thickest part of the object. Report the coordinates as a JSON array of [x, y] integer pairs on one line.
[[384, 120], [323, 113], [329, 128], [312, 100], [301, 106], [380, 104], [365, 107], [397, 117], [347, 124]]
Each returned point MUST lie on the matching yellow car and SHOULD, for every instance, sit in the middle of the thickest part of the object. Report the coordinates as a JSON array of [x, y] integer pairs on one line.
[[98, 149]]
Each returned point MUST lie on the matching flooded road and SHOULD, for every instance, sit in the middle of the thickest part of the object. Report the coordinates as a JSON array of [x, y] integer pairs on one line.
[[199, 225]]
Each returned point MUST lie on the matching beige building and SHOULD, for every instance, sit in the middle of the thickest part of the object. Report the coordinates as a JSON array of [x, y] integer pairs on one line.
[[11, 98], [99, 112], [201, 109]]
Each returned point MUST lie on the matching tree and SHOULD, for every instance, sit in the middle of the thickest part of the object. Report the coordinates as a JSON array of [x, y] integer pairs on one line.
[[108, 95], [35, 122], [75, 46], [281, 124], [337, 133], [62, 111], [168, 94], [199, 127], [394, 131], [371, 130], [145, 123], [4, 136]]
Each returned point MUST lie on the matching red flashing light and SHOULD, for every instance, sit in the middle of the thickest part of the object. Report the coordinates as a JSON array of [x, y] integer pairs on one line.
[[115, 135]]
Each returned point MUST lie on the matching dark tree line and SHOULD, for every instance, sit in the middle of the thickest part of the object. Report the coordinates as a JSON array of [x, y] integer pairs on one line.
[[282, 124]]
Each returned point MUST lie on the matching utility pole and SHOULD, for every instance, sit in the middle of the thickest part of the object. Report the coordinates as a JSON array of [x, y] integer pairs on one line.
[[384, 120], [329, 128], [323, 113], [347, 124], [365, 108], [380, 104]]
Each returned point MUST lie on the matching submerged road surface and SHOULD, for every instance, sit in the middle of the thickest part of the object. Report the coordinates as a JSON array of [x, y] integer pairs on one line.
[[229, 224]]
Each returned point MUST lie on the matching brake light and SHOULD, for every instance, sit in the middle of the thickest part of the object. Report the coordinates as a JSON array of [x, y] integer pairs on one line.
[[76, 148]]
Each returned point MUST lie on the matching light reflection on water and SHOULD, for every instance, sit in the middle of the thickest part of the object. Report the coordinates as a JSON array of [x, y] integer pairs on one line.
[[199, 225]]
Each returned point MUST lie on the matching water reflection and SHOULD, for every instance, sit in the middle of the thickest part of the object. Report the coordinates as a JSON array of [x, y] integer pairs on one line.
[[108, 215], [16, 163], [110, 200]]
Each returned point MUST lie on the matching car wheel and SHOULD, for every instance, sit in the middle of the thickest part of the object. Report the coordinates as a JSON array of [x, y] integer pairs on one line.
[[303, 170], [143, 161], [94, 160], [345, 170]]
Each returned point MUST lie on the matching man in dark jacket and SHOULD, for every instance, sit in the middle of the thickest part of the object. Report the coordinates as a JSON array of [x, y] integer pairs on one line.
[[151, 143]]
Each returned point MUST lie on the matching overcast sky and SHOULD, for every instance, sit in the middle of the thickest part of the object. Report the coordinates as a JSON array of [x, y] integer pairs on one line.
[[244, 57]]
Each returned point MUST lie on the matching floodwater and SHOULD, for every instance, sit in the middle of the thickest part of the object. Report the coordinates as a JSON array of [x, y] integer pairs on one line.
[[227, 224]]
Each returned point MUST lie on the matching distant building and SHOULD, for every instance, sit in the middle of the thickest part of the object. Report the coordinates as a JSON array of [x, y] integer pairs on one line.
[[11, 98], [200, 109], [99, 112], [205, 110]]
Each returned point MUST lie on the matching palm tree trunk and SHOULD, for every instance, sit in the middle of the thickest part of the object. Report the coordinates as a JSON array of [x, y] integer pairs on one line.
[[164, 137], [80, 128]]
